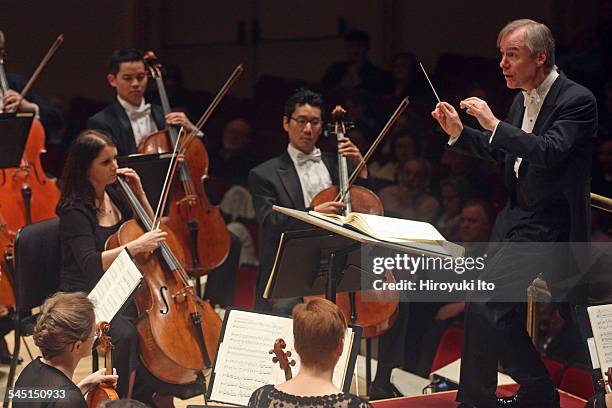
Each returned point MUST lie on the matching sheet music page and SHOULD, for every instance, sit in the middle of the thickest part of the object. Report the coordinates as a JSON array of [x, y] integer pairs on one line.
[[243, 360], [115, 287], [395, 229], [243, 363], [342, 364], [601, 324]]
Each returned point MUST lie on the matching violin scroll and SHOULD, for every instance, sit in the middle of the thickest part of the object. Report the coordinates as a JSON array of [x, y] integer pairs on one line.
[[282, 357]]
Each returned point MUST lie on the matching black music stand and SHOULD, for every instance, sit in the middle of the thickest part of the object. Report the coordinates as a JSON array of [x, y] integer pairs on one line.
[[152, 169], [14, 130], [327, 259]]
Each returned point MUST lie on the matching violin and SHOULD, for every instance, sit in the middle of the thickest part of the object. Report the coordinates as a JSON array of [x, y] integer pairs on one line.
[[26, 194], [282, 358], [379, 313], [199, 226], [178, 332], [103, 392]]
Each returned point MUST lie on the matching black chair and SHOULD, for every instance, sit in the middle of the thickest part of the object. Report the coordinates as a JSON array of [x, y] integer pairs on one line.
[[36, 277]]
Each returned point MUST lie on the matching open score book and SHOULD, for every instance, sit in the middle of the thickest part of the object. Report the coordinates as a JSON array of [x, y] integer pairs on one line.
[[388, 229], [243, 363]]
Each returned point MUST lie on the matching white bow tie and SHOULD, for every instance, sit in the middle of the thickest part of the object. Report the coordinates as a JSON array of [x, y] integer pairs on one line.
[[140, 112], [531, 98], [315, 156]]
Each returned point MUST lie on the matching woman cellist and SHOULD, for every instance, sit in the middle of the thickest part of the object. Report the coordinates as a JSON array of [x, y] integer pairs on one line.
[[90, 210]]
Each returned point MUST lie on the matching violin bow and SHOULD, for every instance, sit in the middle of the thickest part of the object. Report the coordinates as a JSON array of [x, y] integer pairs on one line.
[[172, 168], [398, 112], [59, 40], [168, 181], [220, 95]]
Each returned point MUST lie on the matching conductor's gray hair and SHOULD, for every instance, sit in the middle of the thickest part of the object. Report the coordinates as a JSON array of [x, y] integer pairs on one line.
[[538, 38]]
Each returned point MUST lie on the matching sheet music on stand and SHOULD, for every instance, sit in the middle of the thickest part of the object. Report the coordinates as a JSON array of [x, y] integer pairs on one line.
[[243, 364], [114, 289]]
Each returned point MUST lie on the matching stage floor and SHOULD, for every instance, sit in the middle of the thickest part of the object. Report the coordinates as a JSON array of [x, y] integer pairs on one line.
[[447, 400]]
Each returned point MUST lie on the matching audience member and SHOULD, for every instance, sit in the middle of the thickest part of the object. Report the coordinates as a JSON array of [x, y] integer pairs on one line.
[[232, 162], [404, 147], [452, 197], [410, 199], [357, 72]]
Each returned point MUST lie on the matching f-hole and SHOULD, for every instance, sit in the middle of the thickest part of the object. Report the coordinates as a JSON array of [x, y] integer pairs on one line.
[[162, 291]]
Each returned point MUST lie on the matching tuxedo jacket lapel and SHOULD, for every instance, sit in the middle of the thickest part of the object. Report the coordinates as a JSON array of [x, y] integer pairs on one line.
[[291, 181], [125, 128], [548, 106]]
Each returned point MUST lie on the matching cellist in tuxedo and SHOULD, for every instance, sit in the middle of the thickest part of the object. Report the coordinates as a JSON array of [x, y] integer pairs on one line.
[[11, 101]]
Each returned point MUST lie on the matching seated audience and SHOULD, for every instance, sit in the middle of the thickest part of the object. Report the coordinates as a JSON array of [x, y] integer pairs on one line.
[[318, 332], [452, 197], [404, 147], [410, 199], [65, 333]]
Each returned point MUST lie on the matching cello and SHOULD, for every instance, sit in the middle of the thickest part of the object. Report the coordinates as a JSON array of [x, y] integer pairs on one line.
[[199, 226], [376, 315], [173, 323], [7, 246], [103, 392], [26, 194]]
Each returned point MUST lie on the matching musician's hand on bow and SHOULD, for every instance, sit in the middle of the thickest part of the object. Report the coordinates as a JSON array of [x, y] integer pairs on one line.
[[179, 119], [96, 378], [448, 118], [351, 152], [480, 110], [133, 180], [147, 242], [330, 207], [13, 102]]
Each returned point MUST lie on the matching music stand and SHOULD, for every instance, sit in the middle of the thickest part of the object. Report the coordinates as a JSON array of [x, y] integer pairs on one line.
[[329, 260], [14, 130], [152, 169]]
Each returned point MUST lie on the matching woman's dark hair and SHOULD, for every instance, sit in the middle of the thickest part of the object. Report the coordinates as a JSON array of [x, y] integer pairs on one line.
[[302, 97], [76, 187], [124, 55]]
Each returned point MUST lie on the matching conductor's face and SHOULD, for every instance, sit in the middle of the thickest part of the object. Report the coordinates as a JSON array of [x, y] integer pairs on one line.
[[304, 127], [522, 69]]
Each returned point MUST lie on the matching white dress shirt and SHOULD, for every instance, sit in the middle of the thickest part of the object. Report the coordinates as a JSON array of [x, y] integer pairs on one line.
[[314, 176], [533, 101], [140, 118]]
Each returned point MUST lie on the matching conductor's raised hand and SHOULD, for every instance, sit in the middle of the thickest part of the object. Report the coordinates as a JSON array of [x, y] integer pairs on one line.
[[480, 110], [448, 118], [330, 207]]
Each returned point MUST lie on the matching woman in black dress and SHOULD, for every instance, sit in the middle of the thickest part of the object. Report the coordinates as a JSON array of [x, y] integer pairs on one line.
[[92, 208], [64, 333], [318, 334]]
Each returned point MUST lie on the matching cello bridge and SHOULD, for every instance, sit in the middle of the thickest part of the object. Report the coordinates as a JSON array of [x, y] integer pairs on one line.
[[189, 199]]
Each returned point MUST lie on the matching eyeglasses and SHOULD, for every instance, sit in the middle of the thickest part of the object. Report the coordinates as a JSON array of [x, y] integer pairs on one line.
[[301, 121]]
